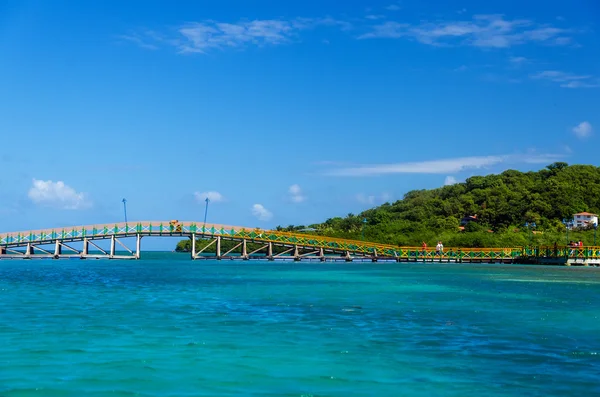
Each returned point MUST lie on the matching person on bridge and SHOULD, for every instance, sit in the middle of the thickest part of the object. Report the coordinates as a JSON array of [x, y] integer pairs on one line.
[[424, 246], [439, 248]]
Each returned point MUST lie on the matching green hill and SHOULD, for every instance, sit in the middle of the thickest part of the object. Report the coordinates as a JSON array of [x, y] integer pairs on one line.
[[502, 204]]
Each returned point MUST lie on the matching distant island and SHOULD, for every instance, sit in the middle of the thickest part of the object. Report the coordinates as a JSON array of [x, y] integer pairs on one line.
[[510, 209]]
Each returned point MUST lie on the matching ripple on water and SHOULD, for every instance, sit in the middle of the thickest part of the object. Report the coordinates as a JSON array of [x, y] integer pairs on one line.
[[165, 327]]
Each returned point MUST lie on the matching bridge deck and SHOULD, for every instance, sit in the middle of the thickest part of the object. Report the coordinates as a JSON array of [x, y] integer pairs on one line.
[[373, 250]]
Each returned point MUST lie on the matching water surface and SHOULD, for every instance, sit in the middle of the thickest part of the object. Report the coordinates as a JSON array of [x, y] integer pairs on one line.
[[167, 326]]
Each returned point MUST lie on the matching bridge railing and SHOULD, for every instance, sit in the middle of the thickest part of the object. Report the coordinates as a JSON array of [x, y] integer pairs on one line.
[[116, 229], [586, 252], [303, 239], [367, 247]]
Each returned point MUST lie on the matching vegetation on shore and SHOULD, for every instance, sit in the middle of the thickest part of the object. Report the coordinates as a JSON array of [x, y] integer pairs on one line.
[[503, 204]]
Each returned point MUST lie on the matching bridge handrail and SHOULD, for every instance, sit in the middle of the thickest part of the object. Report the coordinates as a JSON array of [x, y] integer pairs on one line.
[[265, 235]]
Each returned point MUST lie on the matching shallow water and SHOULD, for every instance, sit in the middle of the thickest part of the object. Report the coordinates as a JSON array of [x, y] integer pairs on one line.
[[167, 326]]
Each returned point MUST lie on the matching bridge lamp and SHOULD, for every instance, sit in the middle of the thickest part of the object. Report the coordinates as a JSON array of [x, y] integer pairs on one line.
[[125, 209], [206, 210]]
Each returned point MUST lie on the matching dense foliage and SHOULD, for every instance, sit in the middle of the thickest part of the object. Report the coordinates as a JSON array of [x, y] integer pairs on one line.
[[503, 203]]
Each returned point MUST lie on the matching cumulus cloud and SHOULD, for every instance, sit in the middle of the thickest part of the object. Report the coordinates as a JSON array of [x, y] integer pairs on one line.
[[583, 129], [57, 195], [260, 212], [450, 180], [213, 197], [296, 194]]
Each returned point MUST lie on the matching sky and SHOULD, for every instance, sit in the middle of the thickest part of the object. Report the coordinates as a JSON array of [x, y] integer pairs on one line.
[[281, 112]]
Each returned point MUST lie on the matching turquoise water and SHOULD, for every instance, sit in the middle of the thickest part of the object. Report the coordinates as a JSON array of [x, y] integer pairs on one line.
[[167, 326]]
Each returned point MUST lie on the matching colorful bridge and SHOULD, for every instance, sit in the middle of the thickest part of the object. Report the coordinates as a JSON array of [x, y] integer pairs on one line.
[[252, 243]]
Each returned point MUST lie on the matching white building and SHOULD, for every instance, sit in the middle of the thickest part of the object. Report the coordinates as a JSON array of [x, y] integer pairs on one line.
[[584, 219]]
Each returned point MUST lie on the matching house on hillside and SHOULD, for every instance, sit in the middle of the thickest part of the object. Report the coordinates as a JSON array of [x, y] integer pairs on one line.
[[584, 219], [467, 219]]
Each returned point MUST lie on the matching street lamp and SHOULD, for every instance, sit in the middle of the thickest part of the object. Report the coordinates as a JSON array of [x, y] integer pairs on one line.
[[206, 210], [125, 209], [364, 221], [595, 229]]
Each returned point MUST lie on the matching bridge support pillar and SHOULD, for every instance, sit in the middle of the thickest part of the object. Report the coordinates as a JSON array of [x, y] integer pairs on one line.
[[296, 254], [270, 251], [57, 249], [244, 250], [138, 246], [218, 249], [112, 247], [28, 251], [2, 251], [193, 250], [374, 259], [86, 248], [321, 255], [347, 257]]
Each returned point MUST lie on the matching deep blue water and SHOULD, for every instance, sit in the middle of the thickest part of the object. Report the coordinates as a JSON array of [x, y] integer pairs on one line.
[[167, 326]]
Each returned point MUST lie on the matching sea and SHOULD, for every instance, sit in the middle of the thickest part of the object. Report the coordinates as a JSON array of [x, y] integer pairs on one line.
[[168, 326]]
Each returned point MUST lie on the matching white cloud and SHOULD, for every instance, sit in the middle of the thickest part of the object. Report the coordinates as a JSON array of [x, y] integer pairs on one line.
[[393, 7], [517, 61], [374, 17], [567, 80], [213, 197], [450, 180], [583, 129], [57, 195], [296, 194], [259, 211], [137, 39], [445, 166], [422, 167], [481, 31], [199, 37], [373, 199]]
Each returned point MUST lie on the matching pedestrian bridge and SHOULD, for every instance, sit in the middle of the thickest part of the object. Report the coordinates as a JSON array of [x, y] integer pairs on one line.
[[248, 243]]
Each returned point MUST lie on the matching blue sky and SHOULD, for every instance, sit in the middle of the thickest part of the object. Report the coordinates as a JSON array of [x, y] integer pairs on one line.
[[286, 112]]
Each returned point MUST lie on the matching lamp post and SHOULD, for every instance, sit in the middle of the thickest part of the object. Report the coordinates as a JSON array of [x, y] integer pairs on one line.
[[364, 221], [206, 210], [125, 209], [595, 229]]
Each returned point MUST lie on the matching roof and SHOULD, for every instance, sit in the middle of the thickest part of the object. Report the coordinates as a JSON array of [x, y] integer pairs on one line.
[[585, 213]]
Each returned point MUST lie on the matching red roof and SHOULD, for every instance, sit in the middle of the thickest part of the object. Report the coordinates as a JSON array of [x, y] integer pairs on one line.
[[586, 213]]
